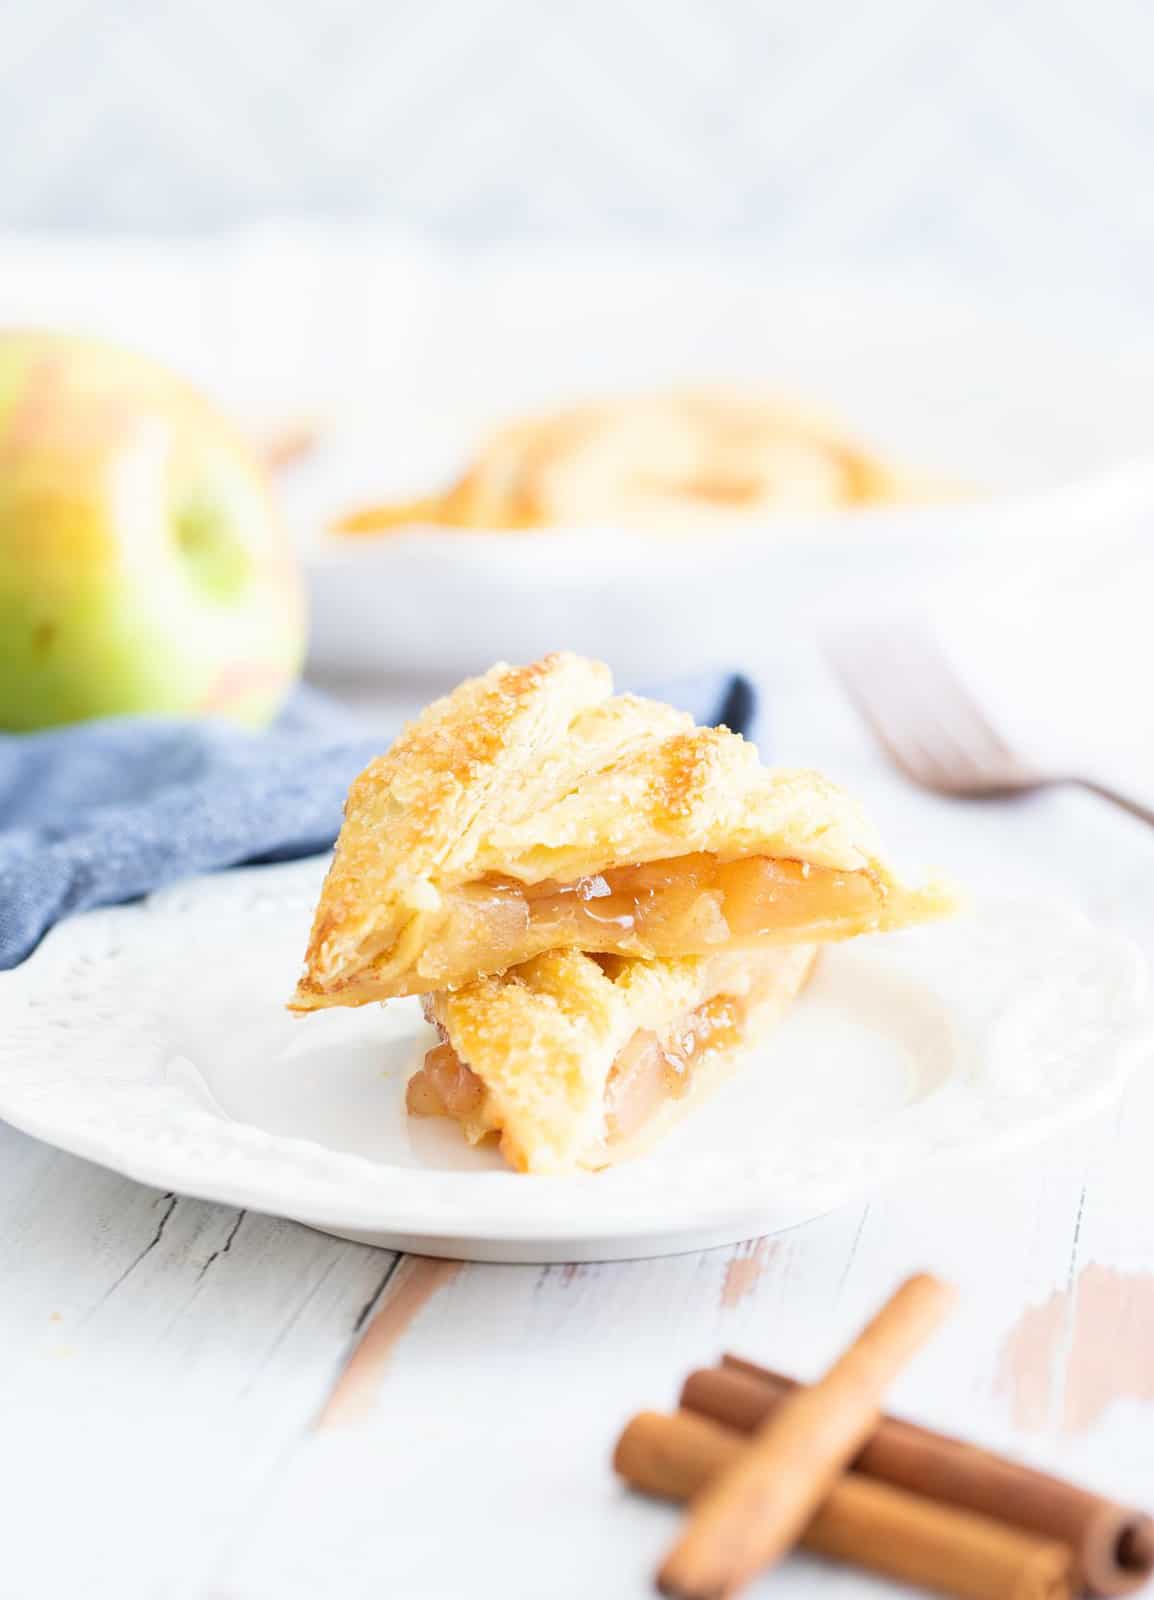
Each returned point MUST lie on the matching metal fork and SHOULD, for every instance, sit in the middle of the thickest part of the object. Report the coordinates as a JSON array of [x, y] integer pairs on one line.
[[932, 728]]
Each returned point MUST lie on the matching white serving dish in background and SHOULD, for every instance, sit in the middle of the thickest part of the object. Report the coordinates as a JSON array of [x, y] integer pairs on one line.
[[1058, 439]]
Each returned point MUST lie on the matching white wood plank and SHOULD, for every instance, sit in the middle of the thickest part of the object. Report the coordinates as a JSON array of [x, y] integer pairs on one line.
[[157, 1358], [504, 1400]]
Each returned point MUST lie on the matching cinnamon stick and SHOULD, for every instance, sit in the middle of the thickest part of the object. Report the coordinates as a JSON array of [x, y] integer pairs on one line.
[[1113, 1545], [885, 1530], [753, 1511]]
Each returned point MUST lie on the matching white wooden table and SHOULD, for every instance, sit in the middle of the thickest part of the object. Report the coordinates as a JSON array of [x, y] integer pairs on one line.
[[175, 1422]]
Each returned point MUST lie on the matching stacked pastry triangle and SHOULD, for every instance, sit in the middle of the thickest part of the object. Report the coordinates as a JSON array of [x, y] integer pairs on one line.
[[601, 904]]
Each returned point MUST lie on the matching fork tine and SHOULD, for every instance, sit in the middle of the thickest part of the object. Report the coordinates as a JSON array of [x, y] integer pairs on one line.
[[964, 747], [878, 692], [920, 711], [944, 687]]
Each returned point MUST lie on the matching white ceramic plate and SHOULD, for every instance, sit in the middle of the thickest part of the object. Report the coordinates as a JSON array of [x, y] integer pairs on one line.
[[153, 1039]]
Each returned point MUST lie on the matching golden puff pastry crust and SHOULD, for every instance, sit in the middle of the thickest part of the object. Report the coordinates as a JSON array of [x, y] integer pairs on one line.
[[544, 1041], [541, 776]]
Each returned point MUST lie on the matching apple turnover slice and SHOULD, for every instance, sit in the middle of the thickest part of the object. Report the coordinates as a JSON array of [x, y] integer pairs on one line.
[[575, 1061], [532, 809]]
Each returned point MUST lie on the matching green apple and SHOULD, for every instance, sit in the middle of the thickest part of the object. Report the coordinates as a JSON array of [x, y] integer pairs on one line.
[[143, 565]]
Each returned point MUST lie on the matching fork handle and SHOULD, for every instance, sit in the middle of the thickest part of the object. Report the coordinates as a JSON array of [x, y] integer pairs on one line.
[[1144, 813]]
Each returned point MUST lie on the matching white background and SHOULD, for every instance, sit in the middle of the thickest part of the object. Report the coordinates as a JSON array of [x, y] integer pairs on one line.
[[1008, 143]]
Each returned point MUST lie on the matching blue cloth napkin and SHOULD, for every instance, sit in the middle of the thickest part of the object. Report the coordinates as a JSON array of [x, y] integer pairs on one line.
[[107, 811]]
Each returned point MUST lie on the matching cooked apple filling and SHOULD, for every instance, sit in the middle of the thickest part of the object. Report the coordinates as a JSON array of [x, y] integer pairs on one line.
[[649, 1071], [445, 1087], [577, 1061], [690, 905], [654, 1068]]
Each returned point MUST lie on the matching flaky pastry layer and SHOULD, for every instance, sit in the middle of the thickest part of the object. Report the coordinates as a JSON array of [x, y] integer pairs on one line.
[[539, 774], [543, 1040]]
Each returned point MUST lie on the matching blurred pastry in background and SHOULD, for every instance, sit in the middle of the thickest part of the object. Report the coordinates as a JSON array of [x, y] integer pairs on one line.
[[674, 462]]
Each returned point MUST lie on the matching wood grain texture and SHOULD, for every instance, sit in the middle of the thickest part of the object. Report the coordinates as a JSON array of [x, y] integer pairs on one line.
[[405, 1294]]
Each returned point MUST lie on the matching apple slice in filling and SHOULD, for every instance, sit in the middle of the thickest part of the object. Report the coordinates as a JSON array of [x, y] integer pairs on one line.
[[695, 904], [639, 1078]]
